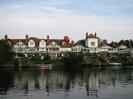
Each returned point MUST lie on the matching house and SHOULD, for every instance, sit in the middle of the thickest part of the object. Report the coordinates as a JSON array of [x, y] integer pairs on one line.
[[106, 48], [77, 48], [33, 45], [91, 41], [121, 49], [57, 47]]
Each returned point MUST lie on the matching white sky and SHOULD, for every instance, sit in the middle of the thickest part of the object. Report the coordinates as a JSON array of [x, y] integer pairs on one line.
[[111, 19]]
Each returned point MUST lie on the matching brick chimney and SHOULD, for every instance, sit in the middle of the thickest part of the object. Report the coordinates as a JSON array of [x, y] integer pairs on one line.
[[66, 38], [95, 34], [113, 44], [6, 37], [72, 43], [86, 34], [26, 38], [48, 39]]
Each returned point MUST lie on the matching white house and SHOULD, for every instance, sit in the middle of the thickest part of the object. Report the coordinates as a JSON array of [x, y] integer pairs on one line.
[[32, 45], [105, 48], [20, 46], [42, 45], [91, 42], [122, 49], [77, 48]]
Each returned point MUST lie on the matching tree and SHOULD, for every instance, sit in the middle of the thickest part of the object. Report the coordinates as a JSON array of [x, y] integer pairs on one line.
[[47, 59], [6, 53], [81, 42]]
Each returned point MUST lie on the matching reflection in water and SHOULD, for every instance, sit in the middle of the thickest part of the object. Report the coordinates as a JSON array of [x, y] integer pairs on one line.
[[6, 80], [85, 82]]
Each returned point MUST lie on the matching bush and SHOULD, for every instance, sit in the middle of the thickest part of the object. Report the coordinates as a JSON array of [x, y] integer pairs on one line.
[[73, 58]]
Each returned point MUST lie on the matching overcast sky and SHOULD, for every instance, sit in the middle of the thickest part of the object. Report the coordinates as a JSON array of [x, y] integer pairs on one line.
[[111, 19]]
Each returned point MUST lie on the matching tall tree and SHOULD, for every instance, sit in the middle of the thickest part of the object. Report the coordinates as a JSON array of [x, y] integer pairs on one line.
[[6, 53]]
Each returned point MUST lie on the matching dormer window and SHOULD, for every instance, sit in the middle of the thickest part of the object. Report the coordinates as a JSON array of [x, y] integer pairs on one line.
[[31, 43], [42, 44]]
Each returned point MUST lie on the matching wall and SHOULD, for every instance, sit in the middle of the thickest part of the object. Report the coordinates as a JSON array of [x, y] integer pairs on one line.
[[89, 40], [31, 43]]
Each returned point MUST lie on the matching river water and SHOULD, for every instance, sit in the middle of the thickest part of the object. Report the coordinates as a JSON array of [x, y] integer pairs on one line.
[[85, 83]]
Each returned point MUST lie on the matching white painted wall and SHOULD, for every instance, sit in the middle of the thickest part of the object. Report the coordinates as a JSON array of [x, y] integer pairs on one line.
[[20, 44], [53, 44], [93, 50], [65, 49], [42, 44], [31, 43], [77, 48], [122, 46], [90, 40], [104, 48]]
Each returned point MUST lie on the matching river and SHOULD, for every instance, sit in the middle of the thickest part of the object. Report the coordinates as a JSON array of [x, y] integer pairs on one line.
[[85, 83]]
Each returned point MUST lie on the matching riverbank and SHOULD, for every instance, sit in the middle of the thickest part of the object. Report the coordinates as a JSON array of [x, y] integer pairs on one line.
[[72, 59]]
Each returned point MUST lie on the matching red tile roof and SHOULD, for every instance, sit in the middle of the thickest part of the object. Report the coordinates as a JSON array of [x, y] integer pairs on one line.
[[37, 40], [14, 41]]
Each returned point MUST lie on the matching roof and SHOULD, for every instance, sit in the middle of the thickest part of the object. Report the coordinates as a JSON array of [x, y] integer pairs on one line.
[[14, 41], [91, 36], [105, 46], [37, 40]]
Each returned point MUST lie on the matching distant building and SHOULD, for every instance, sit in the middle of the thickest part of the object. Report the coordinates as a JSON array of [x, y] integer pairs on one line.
[[91, 41], [57, 47], [32, 45]]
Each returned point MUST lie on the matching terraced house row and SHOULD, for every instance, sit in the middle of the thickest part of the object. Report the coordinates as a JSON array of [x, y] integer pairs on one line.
[[57, 47]]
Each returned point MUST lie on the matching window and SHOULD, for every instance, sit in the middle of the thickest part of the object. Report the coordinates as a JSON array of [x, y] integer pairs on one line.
[[92, 43], [31, 43], [53, 44]]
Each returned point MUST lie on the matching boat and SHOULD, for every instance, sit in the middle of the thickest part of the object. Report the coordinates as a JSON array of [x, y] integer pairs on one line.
[[45, 66], [115, 64]]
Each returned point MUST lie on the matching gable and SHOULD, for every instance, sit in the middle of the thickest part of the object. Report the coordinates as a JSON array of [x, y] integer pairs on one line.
[[42, 43], [20, 44], [53, 44], [31, 43], [122, 46]]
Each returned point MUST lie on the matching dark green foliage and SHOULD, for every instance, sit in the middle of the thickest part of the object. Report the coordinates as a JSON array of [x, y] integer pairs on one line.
[[15, 62], [6, 53], [47, 59], [73, 58], [20, 55], [37, 59], [124, 59], [103, 59], [81, 42]]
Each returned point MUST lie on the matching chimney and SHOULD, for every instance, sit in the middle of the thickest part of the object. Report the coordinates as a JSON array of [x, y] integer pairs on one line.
[[113, 44], [66, 38], [6, 37], [26, 38], [95, 34], [86, 34], [72, 43], [48, 38]]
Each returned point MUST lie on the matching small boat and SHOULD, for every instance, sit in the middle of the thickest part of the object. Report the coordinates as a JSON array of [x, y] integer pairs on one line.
[[45, 66], [115, 64]]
